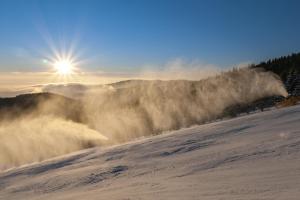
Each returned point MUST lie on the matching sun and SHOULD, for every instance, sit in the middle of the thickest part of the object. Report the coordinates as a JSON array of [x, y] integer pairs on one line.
[[64, 67]]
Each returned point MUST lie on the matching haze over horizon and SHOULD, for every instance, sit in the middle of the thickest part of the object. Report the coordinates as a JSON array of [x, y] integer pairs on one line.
[[109, 41]]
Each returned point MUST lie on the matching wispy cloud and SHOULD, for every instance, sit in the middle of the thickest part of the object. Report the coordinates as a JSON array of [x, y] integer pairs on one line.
[[180, 69]]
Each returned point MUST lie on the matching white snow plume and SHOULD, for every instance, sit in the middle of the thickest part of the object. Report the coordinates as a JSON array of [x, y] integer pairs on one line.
[[132, 109], [35, 139], [123, 111]]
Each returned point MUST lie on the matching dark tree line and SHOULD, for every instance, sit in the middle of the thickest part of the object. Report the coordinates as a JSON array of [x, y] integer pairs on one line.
[[283, 66], [288, 69]]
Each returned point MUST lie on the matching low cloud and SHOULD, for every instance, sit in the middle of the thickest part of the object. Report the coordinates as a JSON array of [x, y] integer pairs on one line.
[[14, 83]]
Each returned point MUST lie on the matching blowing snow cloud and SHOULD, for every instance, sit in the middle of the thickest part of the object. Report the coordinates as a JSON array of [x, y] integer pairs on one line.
[[126, 110]]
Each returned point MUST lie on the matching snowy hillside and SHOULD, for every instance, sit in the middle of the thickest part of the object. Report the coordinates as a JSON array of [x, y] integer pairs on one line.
[[250, 157]]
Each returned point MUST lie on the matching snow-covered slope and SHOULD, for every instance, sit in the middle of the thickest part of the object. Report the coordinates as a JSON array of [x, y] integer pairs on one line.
[[250, 157]]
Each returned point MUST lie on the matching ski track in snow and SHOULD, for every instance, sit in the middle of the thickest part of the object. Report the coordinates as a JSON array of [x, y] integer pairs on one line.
[[251, 157]]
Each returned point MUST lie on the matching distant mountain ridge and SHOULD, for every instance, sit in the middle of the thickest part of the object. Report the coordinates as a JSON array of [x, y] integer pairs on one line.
[[38, 104]]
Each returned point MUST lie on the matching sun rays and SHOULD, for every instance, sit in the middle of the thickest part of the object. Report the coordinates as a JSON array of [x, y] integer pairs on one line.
[[63, 67]]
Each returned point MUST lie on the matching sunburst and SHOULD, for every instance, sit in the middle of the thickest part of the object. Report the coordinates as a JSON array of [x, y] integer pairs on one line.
[[64, 67]]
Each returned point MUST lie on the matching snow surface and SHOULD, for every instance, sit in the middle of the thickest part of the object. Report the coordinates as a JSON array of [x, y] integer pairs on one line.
[[251, 157]]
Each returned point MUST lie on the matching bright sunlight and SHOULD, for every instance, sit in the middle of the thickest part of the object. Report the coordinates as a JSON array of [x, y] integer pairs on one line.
[[63, 67]]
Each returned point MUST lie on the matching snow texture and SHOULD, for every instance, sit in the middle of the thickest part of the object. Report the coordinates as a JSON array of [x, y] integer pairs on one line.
[[251, 157]]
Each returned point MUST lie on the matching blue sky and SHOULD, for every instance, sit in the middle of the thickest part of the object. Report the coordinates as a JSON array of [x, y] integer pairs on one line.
[[121, 36]]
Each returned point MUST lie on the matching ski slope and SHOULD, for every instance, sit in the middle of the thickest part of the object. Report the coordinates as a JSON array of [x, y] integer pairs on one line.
[[251, 157]]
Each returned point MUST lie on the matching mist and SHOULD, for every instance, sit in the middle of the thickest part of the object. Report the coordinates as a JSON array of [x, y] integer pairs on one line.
[[140, 108], [32, 140], [123, 111]]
